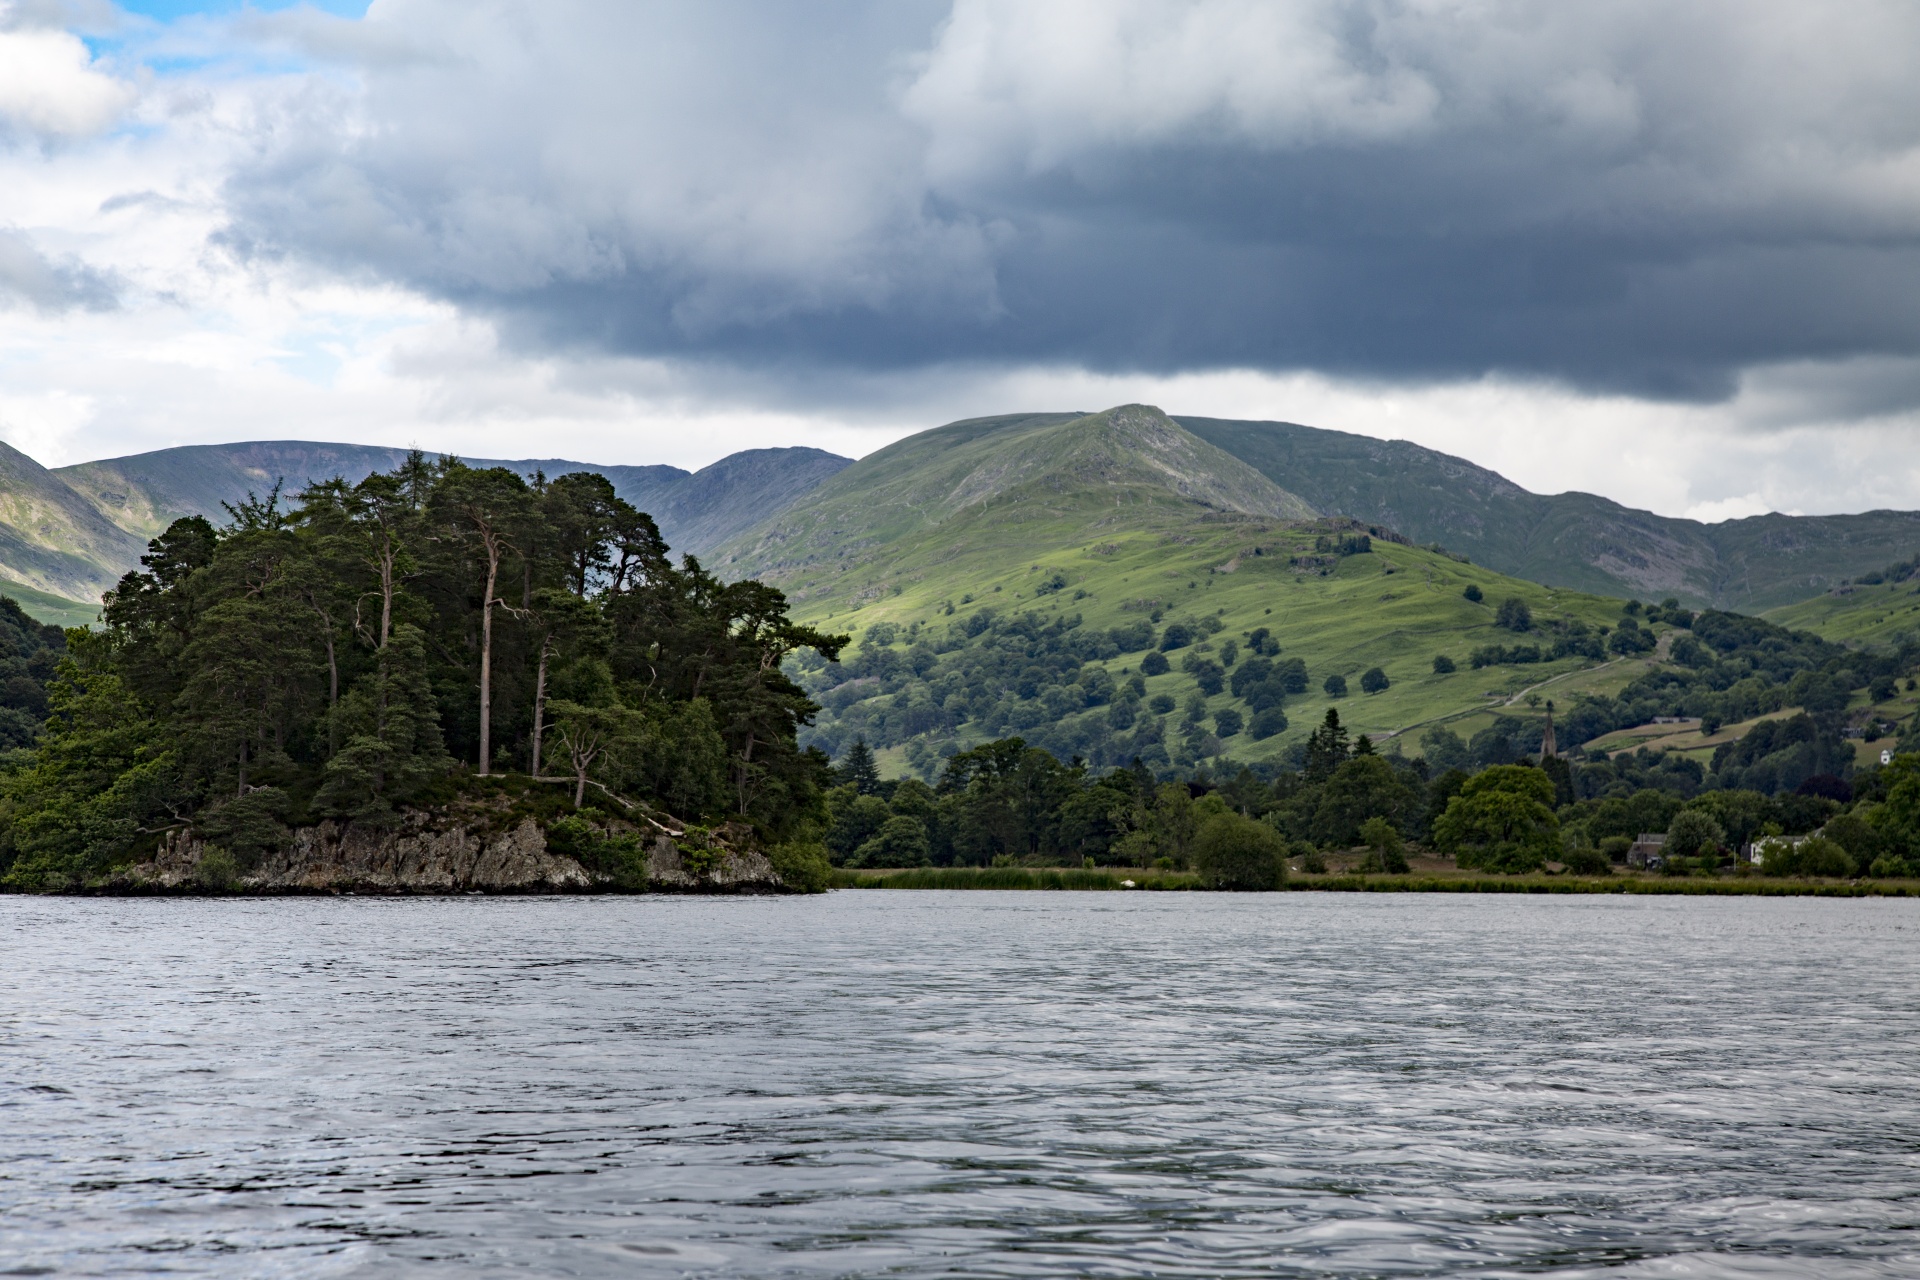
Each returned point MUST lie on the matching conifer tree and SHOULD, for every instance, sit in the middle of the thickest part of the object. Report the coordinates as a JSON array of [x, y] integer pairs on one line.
[[389, 729], [859, 769], [1326, 748]]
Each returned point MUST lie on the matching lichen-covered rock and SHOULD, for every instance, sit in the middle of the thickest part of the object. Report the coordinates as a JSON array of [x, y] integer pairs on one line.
[[438, 852], [732, 871], [413, 857]]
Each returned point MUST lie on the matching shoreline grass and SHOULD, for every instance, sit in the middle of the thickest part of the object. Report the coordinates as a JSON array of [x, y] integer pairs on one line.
[[1110, 880]]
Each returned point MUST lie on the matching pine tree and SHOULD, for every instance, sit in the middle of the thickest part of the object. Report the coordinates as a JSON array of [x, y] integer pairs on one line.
[[390, 726], [1326, 748], [859, 768]]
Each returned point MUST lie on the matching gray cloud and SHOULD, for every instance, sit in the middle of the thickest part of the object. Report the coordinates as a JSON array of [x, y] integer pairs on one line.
[[1640, 197], [29, 276]]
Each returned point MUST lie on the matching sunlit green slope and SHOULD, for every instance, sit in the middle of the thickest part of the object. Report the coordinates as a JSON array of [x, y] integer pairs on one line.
[[1868, 614], [43, 606], [1124, 517]]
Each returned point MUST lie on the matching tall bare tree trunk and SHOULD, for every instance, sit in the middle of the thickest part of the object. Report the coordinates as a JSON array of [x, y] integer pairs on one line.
[[746, 763], [540, 702], [386, 594], [486, 654]]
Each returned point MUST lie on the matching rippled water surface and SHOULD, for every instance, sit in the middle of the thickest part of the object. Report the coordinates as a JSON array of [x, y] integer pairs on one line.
[[920, 1084]]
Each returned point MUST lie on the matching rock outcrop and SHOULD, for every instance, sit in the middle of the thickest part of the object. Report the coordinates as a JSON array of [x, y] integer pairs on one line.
[[732, 871], [421, 856]]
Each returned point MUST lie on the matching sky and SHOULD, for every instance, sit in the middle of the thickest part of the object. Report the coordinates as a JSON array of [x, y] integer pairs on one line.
[[1666, 252]]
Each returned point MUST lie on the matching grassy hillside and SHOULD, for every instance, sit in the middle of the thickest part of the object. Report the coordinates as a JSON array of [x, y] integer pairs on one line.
[[1863, 614], [993, 488], [43, 607], [51, 539], [1575, 540], [1112, 520]]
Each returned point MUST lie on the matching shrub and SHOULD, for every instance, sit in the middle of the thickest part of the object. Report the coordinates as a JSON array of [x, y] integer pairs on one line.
[[1473, 593], [698, 852], [1813, 856], [1389, 853], [1227, 722], [218, 871], [1628, 639], [1232, 852], [1335, 685], [1161, 703], [1585, 860], [802, 866], [1266, 724], [1502, 820], [1514, 615], [900, 842], [1208, 675], [1693, 833], [1374, 681], [1178, 635], [1442, 665], [1155, 664], [1852, 832], [622, 858]]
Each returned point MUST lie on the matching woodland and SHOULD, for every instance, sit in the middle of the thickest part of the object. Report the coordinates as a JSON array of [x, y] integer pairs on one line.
[[383, 645], [390, 645]]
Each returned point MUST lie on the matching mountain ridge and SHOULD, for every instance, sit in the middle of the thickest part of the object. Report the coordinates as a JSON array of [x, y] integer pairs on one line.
[[69, 532], [994, 476], [1574, 539]]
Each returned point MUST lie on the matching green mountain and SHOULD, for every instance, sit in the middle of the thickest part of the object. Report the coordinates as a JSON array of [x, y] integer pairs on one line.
[[68, 534], [1046, 550], [696, 510], [53, 542], [1571, 539], [991, 491]]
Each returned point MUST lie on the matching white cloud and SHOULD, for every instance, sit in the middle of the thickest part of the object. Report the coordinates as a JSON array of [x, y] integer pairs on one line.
[[447, 154], [49, 83]]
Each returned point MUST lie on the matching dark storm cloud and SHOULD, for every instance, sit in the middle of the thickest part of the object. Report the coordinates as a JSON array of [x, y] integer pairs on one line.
[[1639, 197]]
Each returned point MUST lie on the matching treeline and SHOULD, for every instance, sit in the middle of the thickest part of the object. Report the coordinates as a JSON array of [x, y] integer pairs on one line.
[[1008, 803], [933, 688], [372, 645]]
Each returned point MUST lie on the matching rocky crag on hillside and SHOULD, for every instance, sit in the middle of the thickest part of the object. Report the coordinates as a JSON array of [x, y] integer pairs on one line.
[[422, 856]]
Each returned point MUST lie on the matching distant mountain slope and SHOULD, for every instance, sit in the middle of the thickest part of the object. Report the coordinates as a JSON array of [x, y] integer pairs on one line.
[[1572, 539], [1867, 613], [53, 540], [987, 566], [143, 493], [700, 512], [1006, 488]]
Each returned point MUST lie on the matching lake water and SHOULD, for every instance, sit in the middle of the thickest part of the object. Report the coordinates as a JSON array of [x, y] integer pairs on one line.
[[961, 1084]]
